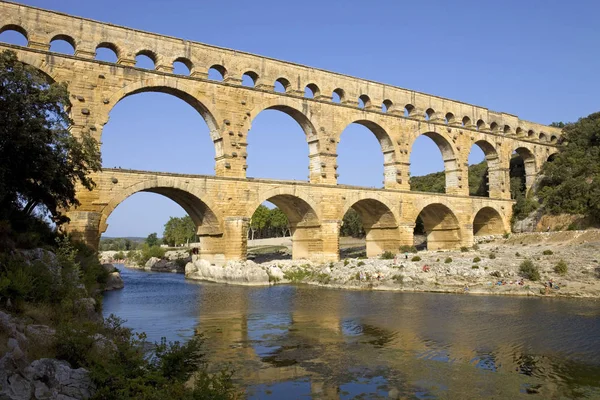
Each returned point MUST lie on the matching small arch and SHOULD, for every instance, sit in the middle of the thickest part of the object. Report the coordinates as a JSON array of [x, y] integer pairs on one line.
[[62, 44], [519, 132], [338, 96], [553, 139], [182, 66], [364, 101], [542, 137], [249, 79], [282, 85], [466, 121], [551, 157], [14, 34], [441, 227], [450, 118], [107, 51], [386, 105], [494, 127], [376, 217], [507, 129], [217, 72], [429, 114], [531, 134], [480, 124], [408, 110], [488, 221], [145, 59], [311, 91]]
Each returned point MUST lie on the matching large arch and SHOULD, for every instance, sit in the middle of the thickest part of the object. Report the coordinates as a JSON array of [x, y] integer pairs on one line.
[[451, 167], [386, 144], [379, 223], [530, 165], [488, 221], [303, 218], [494, 178], [441, 227]]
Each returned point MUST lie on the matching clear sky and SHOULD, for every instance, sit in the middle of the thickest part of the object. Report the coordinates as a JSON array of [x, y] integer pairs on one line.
[[537, 59]]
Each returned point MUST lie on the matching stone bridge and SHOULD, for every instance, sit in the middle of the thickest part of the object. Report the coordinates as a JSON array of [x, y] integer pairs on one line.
[[323, 103]]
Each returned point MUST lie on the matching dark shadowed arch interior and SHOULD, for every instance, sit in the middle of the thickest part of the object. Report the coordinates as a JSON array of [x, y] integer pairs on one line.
[[379, 225], [522, 171], [441, 227], [487, 221]]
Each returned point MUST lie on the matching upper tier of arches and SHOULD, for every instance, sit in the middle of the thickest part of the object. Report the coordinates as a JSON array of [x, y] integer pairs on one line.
[[41, 27]]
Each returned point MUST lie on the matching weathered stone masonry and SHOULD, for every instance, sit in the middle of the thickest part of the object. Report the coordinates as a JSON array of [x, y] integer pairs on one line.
[[222, 205]]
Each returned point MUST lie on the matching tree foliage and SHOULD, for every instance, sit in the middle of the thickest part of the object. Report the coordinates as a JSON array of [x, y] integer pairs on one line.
[[40, 161], [352, 225], [571, 181], [436, 182], [152, 240], [179, 231], [266, 223]]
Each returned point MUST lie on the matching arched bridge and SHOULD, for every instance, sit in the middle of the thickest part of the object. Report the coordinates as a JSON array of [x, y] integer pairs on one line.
[[323, 103]]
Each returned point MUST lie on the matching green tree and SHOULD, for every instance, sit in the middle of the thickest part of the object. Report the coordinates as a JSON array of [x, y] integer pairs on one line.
[[570, 183], [40, 161], [279, 221], [352, 224], [179, 231], [152, 240], [260, 220]]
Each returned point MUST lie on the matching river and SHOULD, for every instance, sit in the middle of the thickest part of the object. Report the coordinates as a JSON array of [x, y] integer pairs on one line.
[[307, 342]]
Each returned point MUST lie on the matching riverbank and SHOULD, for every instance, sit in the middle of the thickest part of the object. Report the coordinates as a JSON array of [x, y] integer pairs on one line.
[[491, 267]]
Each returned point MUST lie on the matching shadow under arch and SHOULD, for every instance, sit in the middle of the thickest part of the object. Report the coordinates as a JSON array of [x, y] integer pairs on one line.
[[448, 156], [488, 221], [379, 223], [172, 88], [441, 227], [202, 212], [304, 220]]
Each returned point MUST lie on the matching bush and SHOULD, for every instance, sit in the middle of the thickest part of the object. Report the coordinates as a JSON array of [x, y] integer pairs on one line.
[[476, 259], [399, 279], [475, 247], [492, 256], [346, 262], [119, 256], [517, 254], [529, 271], [297, 275], [547, 252], [408, 249], [147, 252], [506, 235], [387, 255], [475, 267], [415, 258], [464, 249], [448, 260], [561, 268], [360, 263]]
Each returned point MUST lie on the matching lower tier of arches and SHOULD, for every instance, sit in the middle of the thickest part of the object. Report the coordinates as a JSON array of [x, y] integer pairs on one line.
[[222, 209]]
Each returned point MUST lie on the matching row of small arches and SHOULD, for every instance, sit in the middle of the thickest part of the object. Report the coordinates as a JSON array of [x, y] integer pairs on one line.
[[147, 59]]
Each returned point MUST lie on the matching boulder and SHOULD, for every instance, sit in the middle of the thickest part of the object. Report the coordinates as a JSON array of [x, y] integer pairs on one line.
[[244, 273], [114, 281], [53, 379], [275, 273]]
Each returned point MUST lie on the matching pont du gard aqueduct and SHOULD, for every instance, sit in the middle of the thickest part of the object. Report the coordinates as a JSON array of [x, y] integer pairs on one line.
[[222, 205]]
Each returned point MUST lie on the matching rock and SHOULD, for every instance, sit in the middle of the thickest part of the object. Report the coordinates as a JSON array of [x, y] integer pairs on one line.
[[114, 281], [109, 267], [244, 273], [87, 306], [53, 379], [275, 273]]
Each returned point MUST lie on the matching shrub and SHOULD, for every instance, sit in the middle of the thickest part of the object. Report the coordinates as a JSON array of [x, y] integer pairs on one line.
[[475, 267], [119, 256], [492, 256], [561, 268], [517, 254], [528, 270], [297, 275], [181, 262], [408, 249], [346, 262], [506, 235], [360, 263], [464, 249], [399, 279], [476, 259], [547, 252], [475, 247], [415, 258], [387, 255], [448, 260]]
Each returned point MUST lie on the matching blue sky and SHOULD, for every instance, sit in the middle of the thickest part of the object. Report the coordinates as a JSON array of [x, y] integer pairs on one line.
[[536, 59]]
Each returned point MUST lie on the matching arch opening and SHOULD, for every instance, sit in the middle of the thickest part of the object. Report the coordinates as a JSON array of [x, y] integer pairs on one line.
[[338, 96], [145, 59], [430, 114], [107, 52], [433, 166], [217, 73], [182, 66], [441, 230], [368, 142], [368, 228], [14, 34], [64, 44], [408, 110], [249, 79], [311, 91], [282, 85], [277, 144], [522, 172], [450, 118], [485, 177], [167, 134], [466, 121], [364, 101], [386, 106], [295, 217], [488, 221]]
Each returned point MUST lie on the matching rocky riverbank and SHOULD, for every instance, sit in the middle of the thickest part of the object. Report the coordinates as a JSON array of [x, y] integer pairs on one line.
[[493, 266]]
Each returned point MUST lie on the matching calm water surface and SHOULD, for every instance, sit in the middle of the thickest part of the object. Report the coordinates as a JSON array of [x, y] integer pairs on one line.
[[304, 342]]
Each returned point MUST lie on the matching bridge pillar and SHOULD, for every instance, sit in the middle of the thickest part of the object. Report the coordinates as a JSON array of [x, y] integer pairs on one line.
[[84, 226], [381, 239], [499, 183], [212, 249], [322, 168], [307, 243], [235, 238], [330, 233], [406, 234]]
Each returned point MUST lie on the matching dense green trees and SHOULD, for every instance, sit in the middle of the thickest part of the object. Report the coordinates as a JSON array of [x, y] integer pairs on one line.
[[266, 223], [436, 182], [34, 125], [179, 231], [571, 181], [352, 225]]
